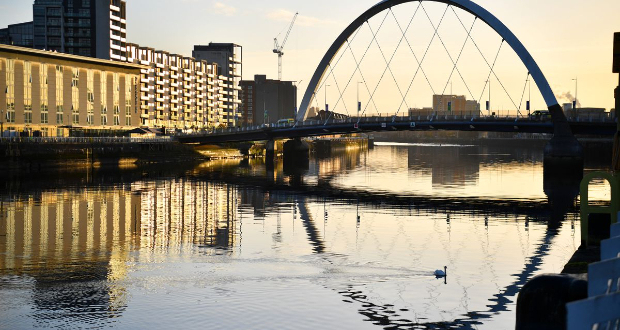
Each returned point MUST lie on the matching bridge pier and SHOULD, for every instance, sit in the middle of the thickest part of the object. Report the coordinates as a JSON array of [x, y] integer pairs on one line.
[[296, 155], [271, 149], [563, 153]]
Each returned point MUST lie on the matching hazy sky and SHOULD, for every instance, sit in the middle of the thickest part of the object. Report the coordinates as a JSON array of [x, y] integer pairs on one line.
[[568, 39]]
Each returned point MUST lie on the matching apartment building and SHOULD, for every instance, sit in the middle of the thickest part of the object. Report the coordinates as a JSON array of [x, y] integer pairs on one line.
[[229, 60], [182, 92], [53, 94]]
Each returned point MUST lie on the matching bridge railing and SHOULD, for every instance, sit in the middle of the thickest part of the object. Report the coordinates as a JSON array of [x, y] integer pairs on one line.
[[83, 140], [593, 118]]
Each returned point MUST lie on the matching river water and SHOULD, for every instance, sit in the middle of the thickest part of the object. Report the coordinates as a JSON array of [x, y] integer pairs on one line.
[[350, 242]]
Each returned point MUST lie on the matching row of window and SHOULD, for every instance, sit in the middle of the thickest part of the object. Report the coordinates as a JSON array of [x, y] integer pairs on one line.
[[59, 92]]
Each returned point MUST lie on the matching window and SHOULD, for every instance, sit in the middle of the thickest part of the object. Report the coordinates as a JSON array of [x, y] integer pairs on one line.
[[10, 91], [128, 101], [116, 92], [43, 70], [75, 96], [104, 98], [90, 97], [28, 87], [59, 94]]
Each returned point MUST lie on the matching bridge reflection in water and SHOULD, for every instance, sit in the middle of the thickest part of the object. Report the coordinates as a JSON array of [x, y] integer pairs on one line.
[[80, 254]]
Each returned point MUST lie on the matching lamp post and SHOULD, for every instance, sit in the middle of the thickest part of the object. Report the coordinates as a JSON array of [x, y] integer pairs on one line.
[[359, 105], [489, 101], [326, 105], [529, 97]]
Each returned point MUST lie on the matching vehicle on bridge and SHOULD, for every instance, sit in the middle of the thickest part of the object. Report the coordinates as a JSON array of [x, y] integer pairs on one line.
[[541, 115], [287, 121]]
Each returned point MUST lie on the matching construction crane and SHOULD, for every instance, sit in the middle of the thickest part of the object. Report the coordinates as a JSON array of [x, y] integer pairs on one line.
[[278, 48]]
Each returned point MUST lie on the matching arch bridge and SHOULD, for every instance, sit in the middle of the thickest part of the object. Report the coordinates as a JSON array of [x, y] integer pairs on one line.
[[563, 143]]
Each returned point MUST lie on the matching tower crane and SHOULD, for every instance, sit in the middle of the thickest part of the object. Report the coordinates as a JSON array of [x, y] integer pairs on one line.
[[277, 49]]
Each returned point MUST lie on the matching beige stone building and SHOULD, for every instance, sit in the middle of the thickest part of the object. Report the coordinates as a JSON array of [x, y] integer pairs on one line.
[[454, 105], [51, 94]]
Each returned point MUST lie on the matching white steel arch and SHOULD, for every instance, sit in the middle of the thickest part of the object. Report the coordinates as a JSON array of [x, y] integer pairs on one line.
[[467, 5]]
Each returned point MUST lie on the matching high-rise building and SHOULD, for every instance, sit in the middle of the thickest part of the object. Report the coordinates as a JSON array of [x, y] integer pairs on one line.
[[267, 101], [228, 58], [17, 35], [94, 28]]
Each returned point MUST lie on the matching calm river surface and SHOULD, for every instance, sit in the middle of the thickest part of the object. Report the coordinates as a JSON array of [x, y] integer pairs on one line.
[[351, 242]]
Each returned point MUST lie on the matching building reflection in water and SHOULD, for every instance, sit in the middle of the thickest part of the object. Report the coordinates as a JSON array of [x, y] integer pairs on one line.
[[454, 166], [80, 242]]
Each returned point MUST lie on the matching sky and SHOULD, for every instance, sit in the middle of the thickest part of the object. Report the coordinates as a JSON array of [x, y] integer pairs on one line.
[[568, 39]]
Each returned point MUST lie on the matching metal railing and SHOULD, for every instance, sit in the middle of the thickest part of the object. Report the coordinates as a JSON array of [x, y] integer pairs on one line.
[[607, 118], [85, 140]]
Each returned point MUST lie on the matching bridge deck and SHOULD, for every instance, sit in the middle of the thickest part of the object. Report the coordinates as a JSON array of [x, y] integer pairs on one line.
[[580, 126]]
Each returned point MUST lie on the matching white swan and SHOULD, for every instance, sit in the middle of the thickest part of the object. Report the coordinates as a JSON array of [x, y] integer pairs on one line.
[[442, 273]]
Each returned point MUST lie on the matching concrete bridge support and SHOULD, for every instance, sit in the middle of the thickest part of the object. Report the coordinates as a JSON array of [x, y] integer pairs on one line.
[[296, 155], [563, 153], [271, 149]]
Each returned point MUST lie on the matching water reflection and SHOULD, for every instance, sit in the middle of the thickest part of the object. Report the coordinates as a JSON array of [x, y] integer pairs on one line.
[[139, 247]]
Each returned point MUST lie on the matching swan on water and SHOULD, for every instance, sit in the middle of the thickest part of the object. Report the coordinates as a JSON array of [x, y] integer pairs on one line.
[[442, 273]]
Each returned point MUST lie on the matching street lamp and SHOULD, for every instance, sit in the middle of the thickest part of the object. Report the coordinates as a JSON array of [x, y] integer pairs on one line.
[[489, 101], [326, 105], [359, 104], [529, 97]]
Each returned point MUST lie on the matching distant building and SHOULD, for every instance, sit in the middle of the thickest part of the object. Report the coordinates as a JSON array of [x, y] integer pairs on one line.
[[267, 101], [567, 107], [53, 93], [229, 60], [454, 105], [17, 35]]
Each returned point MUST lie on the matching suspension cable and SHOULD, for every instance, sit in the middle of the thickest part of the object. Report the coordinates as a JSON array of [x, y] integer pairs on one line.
[[489, 76], [447, 52], [339, 91], [423, 57], [523, 94], [459, 57], [340, 58], [492, 70], [358, 64], [391, 59]]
